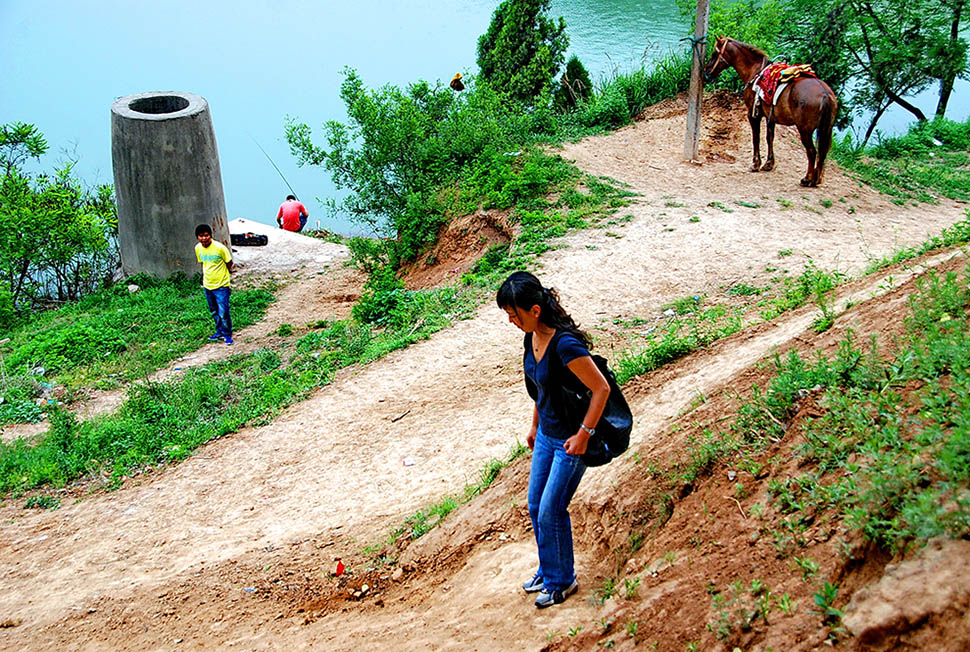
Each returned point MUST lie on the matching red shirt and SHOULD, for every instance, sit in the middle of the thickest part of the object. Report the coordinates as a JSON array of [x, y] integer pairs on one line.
[[290, 211]]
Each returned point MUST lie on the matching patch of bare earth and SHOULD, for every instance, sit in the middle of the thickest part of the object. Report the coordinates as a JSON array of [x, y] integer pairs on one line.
[[235, 547], [460, 243]]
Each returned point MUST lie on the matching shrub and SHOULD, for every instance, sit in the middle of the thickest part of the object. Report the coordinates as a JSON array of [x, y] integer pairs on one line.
[[382, 292]]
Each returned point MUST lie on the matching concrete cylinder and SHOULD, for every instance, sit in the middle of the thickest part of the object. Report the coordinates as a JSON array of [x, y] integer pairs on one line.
[[167, 181]]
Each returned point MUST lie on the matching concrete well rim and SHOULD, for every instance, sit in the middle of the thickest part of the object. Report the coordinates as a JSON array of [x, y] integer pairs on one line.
[[189, 104]]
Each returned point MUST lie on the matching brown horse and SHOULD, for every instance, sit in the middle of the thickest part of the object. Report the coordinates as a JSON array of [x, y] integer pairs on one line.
[[807, 102]]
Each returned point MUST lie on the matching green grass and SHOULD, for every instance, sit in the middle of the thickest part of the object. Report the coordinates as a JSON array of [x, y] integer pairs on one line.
[[913, 167], [957, 234], [582, 201], [111, 337], [891, 454], [679, 337]]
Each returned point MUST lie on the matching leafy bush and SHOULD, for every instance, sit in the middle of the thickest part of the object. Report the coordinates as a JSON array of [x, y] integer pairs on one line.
[[20, 412], [618, 99], [400, 148], [382, 293]]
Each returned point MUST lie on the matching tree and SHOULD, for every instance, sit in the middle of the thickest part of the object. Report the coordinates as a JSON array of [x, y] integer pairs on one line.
[[814, 33], [401, 146], [574, 86], [876, 53], [953, 60], [523, 49], [18, 142], [58, 237]]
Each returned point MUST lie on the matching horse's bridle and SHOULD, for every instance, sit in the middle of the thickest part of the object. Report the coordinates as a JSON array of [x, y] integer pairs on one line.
[[720, 52]]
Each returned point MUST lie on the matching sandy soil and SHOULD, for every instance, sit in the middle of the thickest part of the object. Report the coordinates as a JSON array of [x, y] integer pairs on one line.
[[228, 549]]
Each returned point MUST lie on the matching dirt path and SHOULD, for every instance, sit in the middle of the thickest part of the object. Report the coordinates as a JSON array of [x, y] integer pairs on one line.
[[330, 469]]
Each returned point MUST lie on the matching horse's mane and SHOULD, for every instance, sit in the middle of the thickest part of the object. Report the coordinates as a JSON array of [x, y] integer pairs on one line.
[[755, 50]]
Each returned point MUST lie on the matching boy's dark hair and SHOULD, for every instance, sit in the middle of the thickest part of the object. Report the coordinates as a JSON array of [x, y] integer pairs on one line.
[[203, 228], [289, 197]]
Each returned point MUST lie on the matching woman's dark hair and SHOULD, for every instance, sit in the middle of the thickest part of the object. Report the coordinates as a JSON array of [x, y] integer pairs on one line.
[[203, 228], [291, 198], [523, 290]]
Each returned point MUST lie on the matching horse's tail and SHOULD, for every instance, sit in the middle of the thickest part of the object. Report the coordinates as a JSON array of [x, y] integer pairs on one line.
[[826, 122]]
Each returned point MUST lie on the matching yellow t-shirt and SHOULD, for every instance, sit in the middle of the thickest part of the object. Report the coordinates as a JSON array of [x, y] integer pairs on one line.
[[215, 274]]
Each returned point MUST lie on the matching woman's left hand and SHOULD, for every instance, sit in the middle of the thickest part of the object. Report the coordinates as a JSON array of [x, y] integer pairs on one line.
[[576, 445]]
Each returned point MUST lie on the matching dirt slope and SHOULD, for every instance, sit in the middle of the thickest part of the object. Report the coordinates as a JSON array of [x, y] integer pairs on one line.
[[232, 548]]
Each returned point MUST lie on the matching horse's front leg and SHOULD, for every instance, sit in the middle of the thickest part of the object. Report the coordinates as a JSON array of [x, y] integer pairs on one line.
[[756, 142], [770, 139], [811, 179]]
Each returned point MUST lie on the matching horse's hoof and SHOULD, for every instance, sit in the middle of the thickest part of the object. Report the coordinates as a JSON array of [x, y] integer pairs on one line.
[[767, 167], [756, 168], [806, 182]]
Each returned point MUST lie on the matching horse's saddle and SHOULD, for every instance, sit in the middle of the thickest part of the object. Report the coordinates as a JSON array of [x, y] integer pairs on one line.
[[773, 79]]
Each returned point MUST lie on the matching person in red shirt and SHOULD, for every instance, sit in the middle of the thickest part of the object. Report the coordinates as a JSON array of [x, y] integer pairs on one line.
[[292, 215]]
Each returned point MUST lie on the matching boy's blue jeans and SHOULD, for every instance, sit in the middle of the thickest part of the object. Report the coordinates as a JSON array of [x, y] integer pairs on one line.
[[218, 301], [552, 483]]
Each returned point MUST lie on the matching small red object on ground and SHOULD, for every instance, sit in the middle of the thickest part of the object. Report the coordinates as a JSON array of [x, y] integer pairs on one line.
[[340, 568]]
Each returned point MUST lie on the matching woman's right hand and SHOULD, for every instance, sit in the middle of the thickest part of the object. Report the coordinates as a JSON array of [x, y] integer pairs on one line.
[[530, 439]]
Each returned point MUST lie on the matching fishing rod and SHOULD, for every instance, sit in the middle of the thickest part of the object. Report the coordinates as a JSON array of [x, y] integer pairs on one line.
[[274, 165]]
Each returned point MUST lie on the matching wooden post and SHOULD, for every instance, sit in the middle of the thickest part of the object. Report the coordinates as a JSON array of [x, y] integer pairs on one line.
[[696, 84]]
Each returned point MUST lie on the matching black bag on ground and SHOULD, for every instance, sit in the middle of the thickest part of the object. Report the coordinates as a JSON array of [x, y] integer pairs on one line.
[[248, 239], [612, 436]]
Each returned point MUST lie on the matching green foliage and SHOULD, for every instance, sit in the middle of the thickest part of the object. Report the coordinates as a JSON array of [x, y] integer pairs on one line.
[[42, 502], [616, 100], [20, 141], [403, 151], [520, 53], [824, 599], [738, 608], [114, 333], [59, 238], [877, 53], [681, 336], [423, 520], [19, 411], [756, 22], [382, 294], [913, 167], [574, 86], [811, 283], [164, 422]]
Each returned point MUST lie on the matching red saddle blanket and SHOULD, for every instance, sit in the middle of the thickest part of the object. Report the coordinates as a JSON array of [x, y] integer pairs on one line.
[[780, 73]]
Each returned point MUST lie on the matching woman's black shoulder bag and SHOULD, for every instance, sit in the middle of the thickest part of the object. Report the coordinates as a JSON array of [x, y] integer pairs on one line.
[[613, 430]]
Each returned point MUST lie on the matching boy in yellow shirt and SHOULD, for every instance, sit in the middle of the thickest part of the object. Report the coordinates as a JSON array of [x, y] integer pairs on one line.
[[216, 262]]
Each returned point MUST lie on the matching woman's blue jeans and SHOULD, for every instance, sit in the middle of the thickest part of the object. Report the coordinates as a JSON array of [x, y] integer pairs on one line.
[[552, 483], [218, 301]]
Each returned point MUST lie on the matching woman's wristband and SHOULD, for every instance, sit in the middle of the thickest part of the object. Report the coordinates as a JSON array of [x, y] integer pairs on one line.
[[591, 431]]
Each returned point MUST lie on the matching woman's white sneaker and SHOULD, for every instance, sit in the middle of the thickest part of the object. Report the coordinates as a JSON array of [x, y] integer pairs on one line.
[[549, 598]]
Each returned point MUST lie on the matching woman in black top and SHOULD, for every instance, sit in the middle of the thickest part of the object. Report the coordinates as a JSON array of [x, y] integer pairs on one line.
[[554, 345]]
